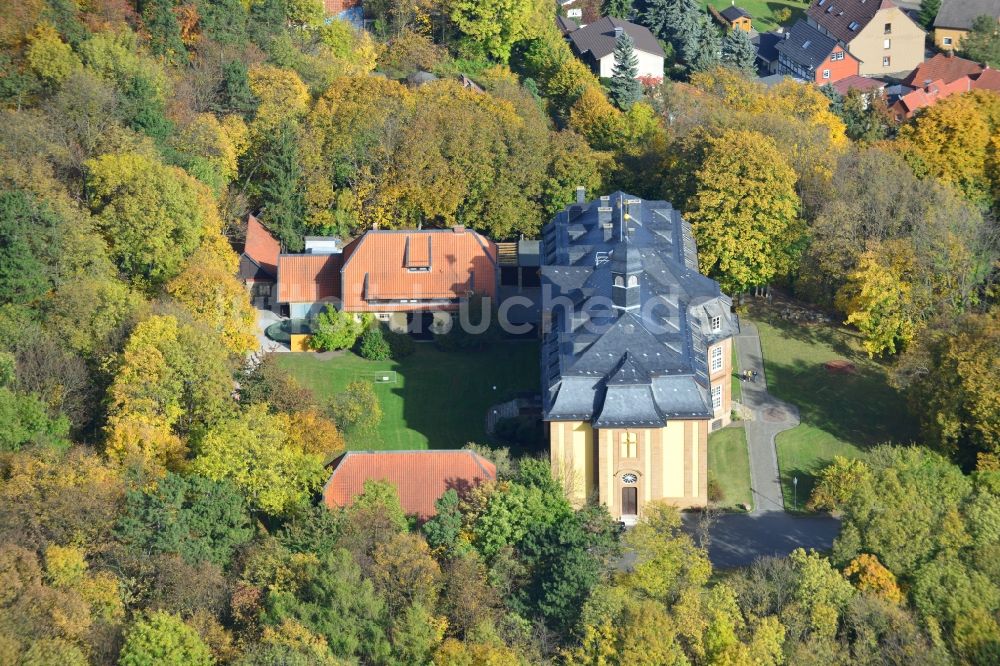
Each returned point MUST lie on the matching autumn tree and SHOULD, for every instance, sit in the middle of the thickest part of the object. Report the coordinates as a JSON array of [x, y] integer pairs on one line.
[[163, 638], [255, 453], [745, 211], [625, 88], [876, 299], [491, 28], [947, 376], [152, 215]]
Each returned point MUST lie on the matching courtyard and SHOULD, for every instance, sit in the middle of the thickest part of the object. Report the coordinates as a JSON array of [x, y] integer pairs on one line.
[[433, 399]]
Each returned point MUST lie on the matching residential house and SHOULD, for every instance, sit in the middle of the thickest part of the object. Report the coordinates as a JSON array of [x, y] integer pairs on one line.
[[595, 45], [636, 355], [767, 51], [864, 84], [955, 18], [352, 11], [879, 34], [738, 18], [420, 275], [808, 54], [419, 477], [259, 263], [939, 77]]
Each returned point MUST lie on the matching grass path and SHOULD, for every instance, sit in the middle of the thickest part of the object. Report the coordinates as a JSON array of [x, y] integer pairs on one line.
[[439, 399], [729, 466]]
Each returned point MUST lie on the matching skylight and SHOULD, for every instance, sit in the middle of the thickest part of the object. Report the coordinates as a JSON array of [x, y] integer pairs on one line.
[[854, 25], [806, 44]]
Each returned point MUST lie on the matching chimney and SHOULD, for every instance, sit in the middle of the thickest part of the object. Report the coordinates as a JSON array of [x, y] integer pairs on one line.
[[581, 194], [459, 228], [618, 31], [604, 215]]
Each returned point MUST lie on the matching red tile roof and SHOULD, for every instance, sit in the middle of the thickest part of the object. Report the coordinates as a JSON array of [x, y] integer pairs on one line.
[[988, 80], [947, 68], [855, 82], [307, 278], [261, 246], [420, 477], [334, 7], [439, 264]]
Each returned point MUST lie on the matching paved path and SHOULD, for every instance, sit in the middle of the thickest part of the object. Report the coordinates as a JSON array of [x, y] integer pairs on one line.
[[769, 417], [737, 539]]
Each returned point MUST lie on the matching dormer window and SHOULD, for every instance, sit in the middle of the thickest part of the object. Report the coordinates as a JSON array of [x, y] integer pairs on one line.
[[854, 26], [716, 324]]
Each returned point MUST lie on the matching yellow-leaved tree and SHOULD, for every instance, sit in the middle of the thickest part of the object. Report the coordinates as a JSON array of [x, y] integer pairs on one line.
[[877, 299], [745, 211]]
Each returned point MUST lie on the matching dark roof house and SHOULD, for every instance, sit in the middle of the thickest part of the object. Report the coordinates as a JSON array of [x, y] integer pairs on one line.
[[420, 477], [733, 13], [630, 317], [806, 46], [598, 38], [961, 14]]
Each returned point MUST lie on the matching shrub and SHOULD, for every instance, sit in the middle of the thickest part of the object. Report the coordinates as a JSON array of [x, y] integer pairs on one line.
[[357, 408], [401, 345], [333, 329], [374, 346], [715, 492]]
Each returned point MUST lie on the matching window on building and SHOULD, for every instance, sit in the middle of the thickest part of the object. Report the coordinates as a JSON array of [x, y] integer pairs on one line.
[[716, 324], [633, 281], [887, 43], [885, 61], [888, 29], [716, 358], [947, 41], [629, 447], [716, 397], [854, 26], [826, 73], [837, 55]]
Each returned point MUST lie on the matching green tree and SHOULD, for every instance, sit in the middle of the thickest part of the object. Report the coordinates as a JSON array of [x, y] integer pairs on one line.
[[667, 561], [982, 43], [738, 52], [336, 329], [164, 29], [699, 41], [25, 420], [444, 528], [30, 245], [491, 27], [335, 601], [282, 204], [618, 8], [162, 639], [928, 12], [199, 519], [224, 21], [625, 89], [745, 211], [374, 346], [356, 408]]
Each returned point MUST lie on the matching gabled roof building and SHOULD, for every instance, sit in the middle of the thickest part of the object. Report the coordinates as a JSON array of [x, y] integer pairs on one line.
[[808, 54], [595, 45], [883, 38], [955, 18], [636, 355], [419, 477]]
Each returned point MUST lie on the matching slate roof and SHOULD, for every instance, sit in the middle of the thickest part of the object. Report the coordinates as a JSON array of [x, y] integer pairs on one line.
[[962, 13], [635, 367], [599, 38], [806, 45], [732, 13], [420, 477], [947, 68], [837, 16], [566, 25], [767, 45]]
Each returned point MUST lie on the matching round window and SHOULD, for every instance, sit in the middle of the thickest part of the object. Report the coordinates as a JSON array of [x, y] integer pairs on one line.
[[629, 478]]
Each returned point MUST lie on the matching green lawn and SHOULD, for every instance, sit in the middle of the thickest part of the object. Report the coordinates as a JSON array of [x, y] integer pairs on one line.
[[841, 414], [439, 399], [763, 11], [729, 466]]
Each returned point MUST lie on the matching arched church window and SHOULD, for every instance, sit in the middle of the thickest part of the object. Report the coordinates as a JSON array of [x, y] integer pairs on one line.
[[633, 281]]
